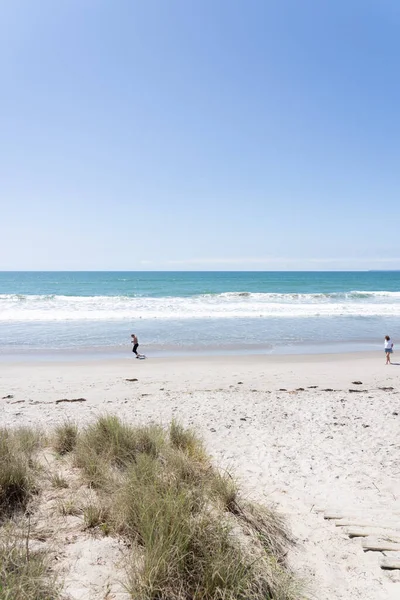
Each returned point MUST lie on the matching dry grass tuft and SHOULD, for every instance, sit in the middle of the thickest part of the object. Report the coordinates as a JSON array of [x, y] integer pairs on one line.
[[24, 575], [65, 437], [58, 481], [28, 440], [17, 468], [68, 508], [268, 525], [187, 441], [224, 489], [109, 444], [191, 534], [95, 468], [195, 537], [96, 514]]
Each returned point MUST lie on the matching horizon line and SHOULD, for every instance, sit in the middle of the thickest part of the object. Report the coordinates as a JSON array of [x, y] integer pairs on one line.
[[199, 270]]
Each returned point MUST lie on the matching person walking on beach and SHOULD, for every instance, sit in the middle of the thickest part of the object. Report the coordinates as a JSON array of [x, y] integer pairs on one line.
[[135, 343], [388, 348]]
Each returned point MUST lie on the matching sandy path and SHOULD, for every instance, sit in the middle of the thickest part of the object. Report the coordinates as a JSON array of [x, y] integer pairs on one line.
[[305, 450]]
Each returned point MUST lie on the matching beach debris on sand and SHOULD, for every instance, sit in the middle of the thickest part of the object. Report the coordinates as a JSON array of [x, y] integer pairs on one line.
[[379, 533], [71, 400]]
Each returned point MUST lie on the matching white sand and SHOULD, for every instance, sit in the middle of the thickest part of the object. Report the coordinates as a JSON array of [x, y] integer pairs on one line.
[[306, 451]]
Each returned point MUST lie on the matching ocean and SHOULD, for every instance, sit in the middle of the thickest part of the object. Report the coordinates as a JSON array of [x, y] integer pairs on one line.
[[49, 313]]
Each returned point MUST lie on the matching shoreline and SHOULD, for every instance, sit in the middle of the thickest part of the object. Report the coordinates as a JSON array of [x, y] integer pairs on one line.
[[201, 360], [115, 353]]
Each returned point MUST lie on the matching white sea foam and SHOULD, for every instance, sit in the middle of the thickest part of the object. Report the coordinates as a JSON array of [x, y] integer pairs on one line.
[[18, 308]]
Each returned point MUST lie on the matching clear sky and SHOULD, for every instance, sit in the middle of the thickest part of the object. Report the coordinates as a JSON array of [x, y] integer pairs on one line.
[[200, 134]]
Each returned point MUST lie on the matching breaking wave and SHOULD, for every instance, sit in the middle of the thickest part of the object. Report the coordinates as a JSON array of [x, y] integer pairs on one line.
[[42, 308]]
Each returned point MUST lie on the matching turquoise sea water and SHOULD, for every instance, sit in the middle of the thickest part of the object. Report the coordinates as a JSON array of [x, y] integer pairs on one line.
[[175, 312]]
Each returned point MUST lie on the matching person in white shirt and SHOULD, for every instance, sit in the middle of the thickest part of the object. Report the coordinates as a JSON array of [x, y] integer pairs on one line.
[[388, 348]]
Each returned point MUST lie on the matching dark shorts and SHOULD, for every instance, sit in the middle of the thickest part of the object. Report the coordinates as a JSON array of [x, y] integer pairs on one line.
[[388, 350]]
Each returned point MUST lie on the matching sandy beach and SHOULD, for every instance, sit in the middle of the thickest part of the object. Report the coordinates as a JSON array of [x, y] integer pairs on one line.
[[318, 436]]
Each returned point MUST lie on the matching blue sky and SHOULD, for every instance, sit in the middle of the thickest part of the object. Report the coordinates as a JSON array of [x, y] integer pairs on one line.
[[202, 134]]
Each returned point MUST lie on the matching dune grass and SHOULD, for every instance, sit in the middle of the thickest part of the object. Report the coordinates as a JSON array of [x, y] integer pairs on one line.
[[96, 514], [119, 443], [24, 575], [65, 437], [17, 469], [58, 481], [187, 441], [192, 534], [109, 444]]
